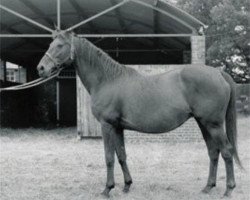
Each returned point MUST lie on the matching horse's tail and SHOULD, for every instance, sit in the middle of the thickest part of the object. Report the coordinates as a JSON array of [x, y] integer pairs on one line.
[[231, 122]]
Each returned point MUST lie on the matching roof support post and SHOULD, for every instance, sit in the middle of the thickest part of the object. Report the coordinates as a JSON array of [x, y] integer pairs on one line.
[[58, 101], [4, 71], [15, 34], [156, 27], [99, 14], [25, 35], [133, 35], [96, 35], [59, 14], [25, 18]]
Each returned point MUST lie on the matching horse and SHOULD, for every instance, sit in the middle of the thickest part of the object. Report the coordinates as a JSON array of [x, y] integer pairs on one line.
[[122, 98]]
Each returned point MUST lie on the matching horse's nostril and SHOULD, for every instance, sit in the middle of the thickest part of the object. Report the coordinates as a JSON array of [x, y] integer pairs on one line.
[[42, 68]]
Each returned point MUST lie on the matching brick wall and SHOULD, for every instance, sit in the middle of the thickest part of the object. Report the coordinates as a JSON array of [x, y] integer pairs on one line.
[[198, 49]]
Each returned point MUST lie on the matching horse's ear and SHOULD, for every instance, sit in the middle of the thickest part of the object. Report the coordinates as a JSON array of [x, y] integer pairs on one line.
[[70, 31], [55, 34]]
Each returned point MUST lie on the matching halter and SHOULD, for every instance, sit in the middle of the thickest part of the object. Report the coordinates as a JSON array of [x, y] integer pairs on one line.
[[43, 80], [71, 58], [52, 59]]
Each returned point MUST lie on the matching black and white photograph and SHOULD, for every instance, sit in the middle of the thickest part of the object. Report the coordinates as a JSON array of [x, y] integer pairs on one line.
[[124, 99]]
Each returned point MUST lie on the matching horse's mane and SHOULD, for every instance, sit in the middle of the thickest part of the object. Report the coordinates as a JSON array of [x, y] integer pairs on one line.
[[100, 60]]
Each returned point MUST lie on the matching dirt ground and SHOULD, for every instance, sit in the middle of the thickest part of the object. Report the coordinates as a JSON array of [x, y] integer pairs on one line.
[[53, 164]]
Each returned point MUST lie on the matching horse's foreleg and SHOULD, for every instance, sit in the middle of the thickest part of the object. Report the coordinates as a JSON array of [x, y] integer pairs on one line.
[[109, 147], [121, 154]]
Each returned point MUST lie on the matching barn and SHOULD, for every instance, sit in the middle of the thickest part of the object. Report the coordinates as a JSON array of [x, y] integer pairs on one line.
[[152, 36]]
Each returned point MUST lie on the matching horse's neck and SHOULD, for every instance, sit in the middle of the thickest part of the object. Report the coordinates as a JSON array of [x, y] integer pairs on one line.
[[95, 67]]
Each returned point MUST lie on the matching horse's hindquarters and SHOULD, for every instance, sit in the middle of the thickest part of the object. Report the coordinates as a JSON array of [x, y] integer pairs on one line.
[[206, 92]]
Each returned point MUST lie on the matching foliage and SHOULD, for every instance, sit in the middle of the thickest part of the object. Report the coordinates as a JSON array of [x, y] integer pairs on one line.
[[228, 39]]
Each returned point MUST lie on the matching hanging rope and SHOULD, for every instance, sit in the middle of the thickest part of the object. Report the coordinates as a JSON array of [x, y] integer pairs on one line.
[[31, 84]]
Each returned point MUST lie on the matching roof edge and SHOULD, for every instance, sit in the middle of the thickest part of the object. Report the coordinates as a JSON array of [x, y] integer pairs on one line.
[[184, 12]]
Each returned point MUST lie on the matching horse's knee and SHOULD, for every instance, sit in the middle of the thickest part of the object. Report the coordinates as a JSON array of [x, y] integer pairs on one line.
[[110, 161], [214, 160], [213, 155], [122, 159]]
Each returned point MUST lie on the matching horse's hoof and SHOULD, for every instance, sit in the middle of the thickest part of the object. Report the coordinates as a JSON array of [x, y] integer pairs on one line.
[[229, 190], [127, 187], [105, 194], [228, 193], [207, 189]]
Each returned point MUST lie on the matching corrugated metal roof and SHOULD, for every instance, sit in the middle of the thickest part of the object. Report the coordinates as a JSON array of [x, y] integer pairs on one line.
[[131, 18]]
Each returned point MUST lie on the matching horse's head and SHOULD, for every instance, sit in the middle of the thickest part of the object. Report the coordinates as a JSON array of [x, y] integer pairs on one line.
[[60, 52]]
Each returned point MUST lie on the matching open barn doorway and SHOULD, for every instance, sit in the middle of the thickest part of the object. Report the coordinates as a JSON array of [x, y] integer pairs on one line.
[[66, 98]]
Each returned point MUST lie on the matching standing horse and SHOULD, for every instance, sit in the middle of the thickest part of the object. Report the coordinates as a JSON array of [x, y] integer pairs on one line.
[[121, 98]]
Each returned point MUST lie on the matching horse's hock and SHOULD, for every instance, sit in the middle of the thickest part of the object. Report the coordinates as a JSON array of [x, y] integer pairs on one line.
[[88, 126]]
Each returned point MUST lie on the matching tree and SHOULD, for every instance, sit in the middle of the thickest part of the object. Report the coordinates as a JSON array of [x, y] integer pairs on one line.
[[228, 39]]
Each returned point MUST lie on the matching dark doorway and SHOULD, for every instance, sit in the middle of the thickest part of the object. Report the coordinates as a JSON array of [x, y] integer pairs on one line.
[[67, 102]]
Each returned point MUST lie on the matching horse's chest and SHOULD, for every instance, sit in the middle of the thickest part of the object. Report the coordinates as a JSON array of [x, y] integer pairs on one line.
[[106, 110]]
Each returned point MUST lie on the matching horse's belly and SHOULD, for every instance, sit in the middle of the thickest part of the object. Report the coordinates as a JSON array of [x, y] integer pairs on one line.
[[155, 123]]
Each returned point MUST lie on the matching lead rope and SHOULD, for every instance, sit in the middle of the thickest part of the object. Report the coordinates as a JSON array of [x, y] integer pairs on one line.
[[31, 84]]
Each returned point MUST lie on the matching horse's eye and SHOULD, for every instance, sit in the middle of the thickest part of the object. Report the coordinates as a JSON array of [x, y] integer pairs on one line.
[[59, 45]]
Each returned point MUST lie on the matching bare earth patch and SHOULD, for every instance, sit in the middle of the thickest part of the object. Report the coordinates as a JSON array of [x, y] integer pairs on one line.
[[42, 164]]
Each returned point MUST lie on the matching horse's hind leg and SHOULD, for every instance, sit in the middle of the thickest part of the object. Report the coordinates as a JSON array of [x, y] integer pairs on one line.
[[121, 154], [220, 138], [213, 152]]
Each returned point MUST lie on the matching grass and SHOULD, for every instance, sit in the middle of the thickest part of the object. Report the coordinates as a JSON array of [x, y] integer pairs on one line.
[[53, 164]]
